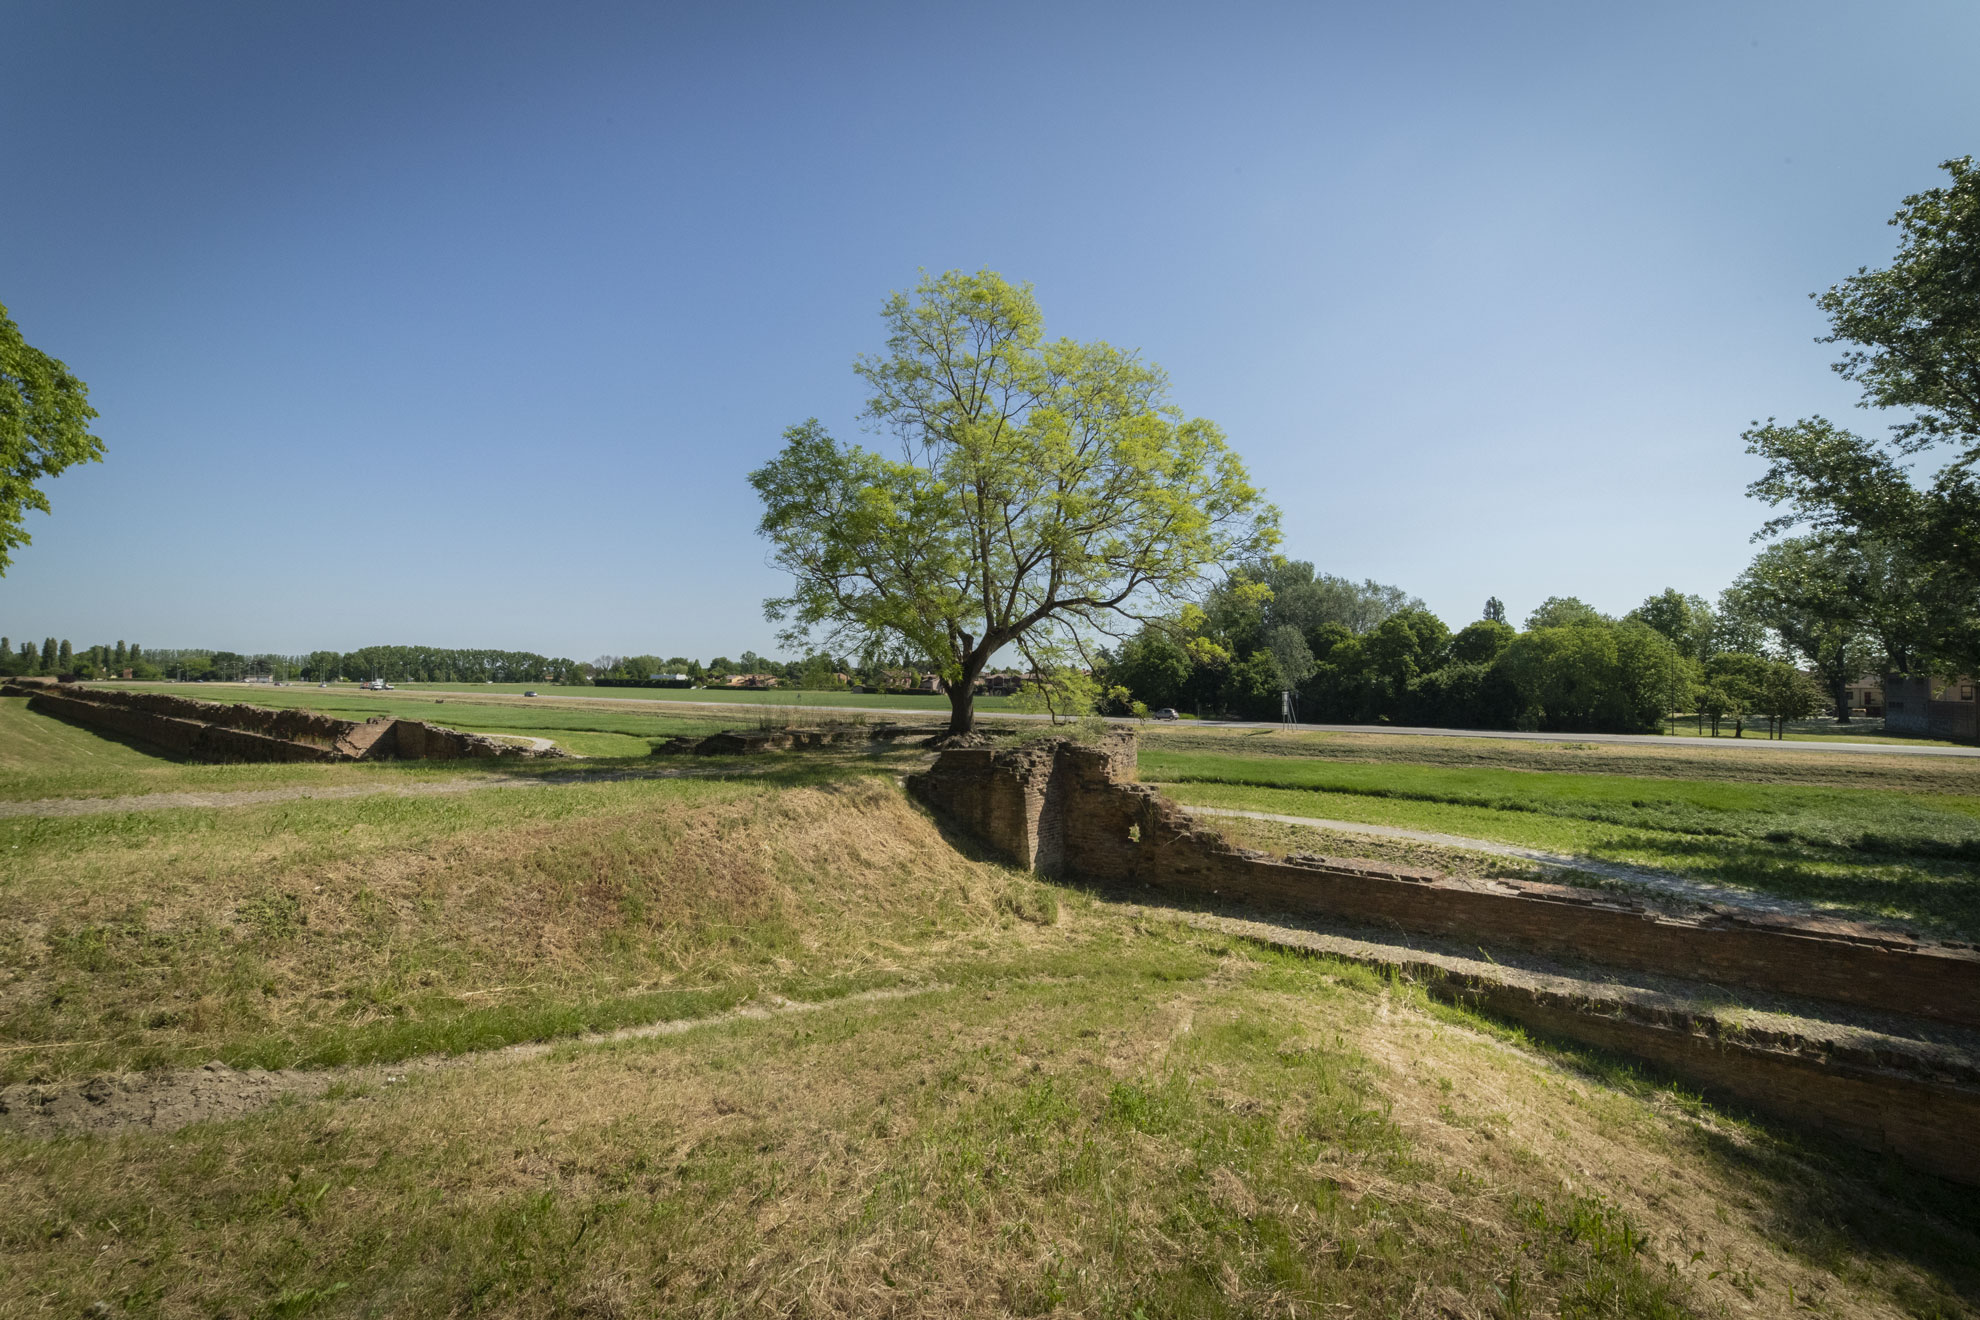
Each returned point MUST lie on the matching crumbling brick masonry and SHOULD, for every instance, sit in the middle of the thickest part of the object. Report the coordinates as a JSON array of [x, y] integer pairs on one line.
[[1070, 810], [211, 731]]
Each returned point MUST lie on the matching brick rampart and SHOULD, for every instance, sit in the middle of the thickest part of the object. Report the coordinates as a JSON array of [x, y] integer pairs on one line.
[[1067, 809], [1063, 808], [213, 731]]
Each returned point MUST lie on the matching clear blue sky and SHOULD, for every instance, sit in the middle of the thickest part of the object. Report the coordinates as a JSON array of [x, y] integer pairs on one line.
[[461, 324]]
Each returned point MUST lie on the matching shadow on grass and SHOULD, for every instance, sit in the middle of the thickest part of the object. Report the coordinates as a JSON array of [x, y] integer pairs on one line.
[[1831, 1203], [1940, 896]]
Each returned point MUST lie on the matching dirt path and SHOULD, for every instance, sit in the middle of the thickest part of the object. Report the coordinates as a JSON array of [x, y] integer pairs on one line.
[[168, 1101], [1663, 882], [251, 797], [255, 797]]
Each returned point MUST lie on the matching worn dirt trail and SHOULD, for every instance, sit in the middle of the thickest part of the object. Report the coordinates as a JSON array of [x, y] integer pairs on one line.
[[255, 797], [169, 1100]]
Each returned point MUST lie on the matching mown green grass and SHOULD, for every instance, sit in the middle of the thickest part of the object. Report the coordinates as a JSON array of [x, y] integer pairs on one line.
[[1857, 819], [1726, 762], [1887, 853]]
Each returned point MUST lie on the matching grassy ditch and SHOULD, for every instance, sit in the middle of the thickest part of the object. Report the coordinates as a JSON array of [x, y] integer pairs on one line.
[[1889, 853]]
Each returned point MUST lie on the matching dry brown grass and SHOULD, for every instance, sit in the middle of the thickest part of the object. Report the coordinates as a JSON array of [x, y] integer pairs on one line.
[[261, 931], [1170, 1122]]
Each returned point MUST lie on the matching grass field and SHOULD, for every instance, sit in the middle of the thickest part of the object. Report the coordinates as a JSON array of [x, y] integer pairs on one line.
[[1818, 730], [900, 1081], [726, 696], [1890, 839]]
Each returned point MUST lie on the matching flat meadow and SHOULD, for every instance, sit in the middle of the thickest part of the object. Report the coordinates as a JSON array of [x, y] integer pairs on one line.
[[738, 1037]]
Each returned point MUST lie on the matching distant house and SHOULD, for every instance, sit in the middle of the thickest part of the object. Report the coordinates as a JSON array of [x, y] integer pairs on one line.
[[908, 680], [750, 681], [1003, 685], [1866, 696], [1930, 706]]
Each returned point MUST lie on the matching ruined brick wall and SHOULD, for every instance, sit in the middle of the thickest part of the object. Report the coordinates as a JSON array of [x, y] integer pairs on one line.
[[1070, 810], [193, 739], [1062, 808], [997, 798], [212, 731], [289, 725]]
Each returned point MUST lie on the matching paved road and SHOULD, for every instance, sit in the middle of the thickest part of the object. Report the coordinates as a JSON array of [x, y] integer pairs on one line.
[[1624, 739]]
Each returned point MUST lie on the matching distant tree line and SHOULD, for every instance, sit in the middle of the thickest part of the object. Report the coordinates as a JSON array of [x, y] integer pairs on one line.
[[53, 657], [1358, 653]]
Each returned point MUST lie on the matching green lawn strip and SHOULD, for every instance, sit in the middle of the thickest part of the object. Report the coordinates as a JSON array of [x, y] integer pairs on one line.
[[1943, 825], [1798, 733], [1935, 895], [1727, 762]]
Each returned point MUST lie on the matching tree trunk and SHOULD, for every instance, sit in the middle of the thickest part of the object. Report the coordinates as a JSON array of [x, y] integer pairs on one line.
[[1841, 694], [962, 707]]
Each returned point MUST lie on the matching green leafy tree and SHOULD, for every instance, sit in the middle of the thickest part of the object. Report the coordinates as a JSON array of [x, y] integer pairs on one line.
[[1292, 655], [1785, 693], [1914, 326], [1044, 487], [1495, 610], [44, 429], [1482, 642], [1688, 621], [1912, 337], [1564, 612], [1063, 694], [1154, 665], [1735, 684], [1594, 676], [1804, 589], [1402, 648], [49, 652], [65, 656]]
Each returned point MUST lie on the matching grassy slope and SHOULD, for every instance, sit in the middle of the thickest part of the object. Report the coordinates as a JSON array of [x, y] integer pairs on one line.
[[1899, 852], [1065, 1106]]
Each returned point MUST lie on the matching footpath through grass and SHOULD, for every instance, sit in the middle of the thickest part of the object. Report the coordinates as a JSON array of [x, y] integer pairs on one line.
[[1895, 852]]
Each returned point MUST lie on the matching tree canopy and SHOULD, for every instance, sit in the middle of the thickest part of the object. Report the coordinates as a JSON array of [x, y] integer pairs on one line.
[[1913, 336], [44, 428], [1046, 489]]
